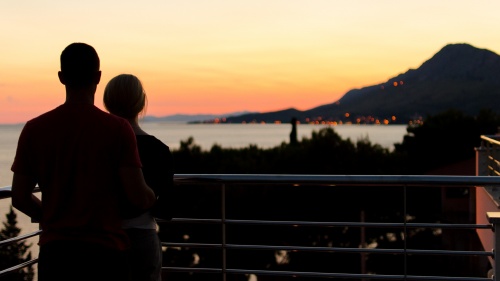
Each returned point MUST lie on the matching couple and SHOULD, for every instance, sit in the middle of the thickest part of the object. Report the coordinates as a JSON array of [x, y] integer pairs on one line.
[[101, 177]]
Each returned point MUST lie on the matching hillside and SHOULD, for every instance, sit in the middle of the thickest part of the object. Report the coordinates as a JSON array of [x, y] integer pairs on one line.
[[459, 76]]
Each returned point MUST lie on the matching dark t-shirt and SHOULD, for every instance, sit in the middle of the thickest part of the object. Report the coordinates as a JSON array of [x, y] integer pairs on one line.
[[157, 167], [74, 154]]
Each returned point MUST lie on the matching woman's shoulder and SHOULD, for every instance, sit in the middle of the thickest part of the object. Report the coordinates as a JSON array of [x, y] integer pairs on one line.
[[150, 141], [153, 152]]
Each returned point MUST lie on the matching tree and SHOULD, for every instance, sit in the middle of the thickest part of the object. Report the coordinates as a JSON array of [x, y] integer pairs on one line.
[[14, 253], [445, 138]]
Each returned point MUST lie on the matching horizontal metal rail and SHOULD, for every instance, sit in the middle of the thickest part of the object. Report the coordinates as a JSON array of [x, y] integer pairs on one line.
[[330, 249], [492, 139], [490, 147], [334, 224], [20, 238], [333, 180], [329, 180], [5, 192], [18, 267], [324, 274]]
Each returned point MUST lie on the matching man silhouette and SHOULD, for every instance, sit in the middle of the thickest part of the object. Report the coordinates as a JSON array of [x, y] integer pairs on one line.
[[86, 164]]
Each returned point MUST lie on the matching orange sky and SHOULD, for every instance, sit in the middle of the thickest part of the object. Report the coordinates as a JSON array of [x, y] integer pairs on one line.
[[223, 56]]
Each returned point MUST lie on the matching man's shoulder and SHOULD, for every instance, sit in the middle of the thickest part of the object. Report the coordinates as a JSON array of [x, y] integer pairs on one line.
[[44, 117], [65, 115], [109, 124]]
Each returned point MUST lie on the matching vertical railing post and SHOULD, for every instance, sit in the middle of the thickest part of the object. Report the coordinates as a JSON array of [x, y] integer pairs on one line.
[[405, 231], [495, 155], [482, 160], [363, 243], [494, 219], [223, 229]]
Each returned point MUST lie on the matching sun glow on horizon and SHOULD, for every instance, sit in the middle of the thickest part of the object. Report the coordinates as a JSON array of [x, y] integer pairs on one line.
[[221, 56]]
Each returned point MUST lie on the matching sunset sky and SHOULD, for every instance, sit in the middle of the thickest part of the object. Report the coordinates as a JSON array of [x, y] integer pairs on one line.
[[221, 56]]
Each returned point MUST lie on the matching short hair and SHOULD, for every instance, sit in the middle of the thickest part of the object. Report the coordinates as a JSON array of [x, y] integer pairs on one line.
[[124, 96], [79, 65]]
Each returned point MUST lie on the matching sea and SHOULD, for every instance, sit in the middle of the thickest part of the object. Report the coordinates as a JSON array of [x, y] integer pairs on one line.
[[205, 136]]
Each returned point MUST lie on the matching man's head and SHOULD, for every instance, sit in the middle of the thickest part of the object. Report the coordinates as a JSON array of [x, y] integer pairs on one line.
[[79, 66]]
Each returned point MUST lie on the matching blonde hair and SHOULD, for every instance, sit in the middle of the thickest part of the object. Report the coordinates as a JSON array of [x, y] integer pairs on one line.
[[124, 96]]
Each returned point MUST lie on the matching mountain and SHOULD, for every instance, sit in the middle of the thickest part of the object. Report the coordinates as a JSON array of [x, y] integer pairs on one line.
[[186, 118], [459, 76]]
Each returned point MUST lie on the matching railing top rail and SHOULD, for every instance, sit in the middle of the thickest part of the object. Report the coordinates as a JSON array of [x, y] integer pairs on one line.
[[376, 180], [339, 179], [6, 192], [493, 139]]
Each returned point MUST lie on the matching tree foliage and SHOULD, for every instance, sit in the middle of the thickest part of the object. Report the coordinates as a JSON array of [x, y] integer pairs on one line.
[[14, 253], [445, 138], [325, 152], [442, 139]]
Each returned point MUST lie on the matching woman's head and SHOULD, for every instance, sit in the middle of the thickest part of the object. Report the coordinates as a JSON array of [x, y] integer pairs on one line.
[[124, 96]]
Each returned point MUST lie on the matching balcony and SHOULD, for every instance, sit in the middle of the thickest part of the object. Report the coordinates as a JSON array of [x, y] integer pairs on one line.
[[284, 227]]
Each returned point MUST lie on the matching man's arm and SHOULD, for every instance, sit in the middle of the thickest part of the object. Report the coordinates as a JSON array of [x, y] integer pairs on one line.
[[136, 189], [23, 198]]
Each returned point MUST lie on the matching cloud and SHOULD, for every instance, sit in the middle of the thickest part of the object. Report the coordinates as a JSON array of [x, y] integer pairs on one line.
[[9, 99]]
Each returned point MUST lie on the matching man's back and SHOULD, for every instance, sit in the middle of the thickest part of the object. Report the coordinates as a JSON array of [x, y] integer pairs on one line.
[[75, 152]]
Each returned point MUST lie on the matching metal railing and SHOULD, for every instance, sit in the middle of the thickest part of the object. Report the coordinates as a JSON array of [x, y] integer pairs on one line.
[[490, 160], [224, 223]]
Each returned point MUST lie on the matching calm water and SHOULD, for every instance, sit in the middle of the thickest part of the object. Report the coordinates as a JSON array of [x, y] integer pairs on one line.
[[205, 135], [226, 135], [265, 135]]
